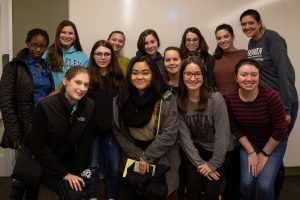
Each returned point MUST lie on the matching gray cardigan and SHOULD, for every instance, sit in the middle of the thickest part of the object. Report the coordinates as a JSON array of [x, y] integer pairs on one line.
[[209, 129], [163, 148]]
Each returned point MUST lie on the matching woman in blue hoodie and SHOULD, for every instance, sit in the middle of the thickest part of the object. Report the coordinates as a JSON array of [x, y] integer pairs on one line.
[[65, 52]]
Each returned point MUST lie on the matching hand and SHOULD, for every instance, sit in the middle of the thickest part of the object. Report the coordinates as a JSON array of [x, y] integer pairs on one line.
[[252, 163], [75, 181], [262, 160], [288, 119], [214, 175], [16, 144], [144, 166], [204, 169]]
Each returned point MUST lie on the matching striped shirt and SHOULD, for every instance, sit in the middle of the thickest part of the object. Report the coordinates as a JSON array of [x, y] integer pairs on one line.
[[259, 119]]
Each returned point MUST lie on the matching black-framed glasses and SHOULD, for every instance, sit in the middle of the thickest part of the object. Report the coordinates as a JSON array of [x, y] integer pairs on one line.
[[189, 75], [100, 54], [36, 46], [189, 40]]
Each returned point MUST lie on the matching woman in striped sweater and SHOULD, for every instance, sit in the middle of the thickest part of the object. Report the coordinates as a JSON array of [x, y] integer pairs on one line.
[[257, 119]]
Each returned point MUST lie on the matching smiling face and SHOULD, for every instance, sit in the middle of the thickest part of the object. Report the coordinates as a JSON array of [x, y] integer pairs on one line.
[[102, 57], [67, 37], [77, 87], [141, 76], [37, 46], [192, 77], [248, 78], [224, 40], [117, 41], [151, 45], [250, 26], [192, 42], [172, 62]]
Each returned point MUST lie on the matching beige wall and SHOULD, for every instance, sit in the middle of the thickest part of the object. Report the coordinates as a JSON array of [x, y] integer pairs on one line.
[[96, 19], [31, 14]]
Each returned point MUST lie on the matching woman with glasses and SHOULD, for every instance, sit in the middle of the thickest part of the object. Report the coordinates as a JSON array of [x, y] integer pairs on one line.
[[25, 80], [204, 131], [148, 44], [65, 52], [145, 122], [194, 44], [105, 79]]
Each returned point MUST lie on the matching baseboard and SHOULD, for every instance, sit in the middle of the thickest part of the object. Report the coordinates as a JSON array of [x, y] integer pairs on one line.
[[292, 171]]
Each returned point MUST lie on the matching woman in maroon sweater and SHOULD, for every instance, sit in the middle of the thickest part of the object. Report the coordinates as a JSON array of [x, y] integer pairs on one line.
[[226, 57], [257, 118]]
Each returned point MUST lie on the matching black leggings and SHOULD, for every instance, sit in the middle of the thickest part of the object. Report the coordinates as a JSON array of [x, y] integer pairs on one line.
[[196, 183]]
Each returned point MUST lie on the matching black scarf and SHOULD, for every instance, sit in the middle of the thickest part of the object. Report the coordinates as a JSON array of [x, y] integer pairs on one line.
[[138, 109]]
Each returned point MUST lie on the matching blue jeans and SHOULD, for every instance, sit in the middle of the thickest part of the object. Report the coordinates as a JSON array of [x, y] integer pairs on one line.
[[263, 184], [106, 160]]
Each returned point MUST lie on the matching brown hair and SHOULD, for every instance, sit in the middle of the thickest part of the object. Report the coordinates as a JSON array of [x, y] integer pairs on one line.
[[114, 72], [205, 90], [55, 57], [245, 61], [203, 47], [141, 41], [166, 75]]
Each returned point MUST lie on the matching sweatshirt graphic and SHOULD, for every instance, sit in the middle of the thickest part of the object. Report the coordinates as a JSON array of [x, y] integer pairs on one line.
[[71, 57]]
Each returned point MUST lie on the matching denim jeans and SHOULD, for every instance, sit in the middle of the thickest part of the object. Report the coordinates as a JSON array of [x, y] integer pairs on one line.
[[261, 186], [106, 160]]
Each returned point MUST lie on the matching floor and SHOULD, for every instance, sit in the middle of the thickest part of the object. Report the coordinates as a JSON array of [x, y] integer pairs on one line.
[[290, 190]]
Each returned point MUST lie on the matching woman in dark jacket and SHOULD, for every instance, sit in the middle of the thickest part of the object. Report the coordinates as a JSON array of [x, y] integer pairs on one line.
[[194, 44], [106, 76], [148, 45], [25, 80], [145, 122], [62, 131]]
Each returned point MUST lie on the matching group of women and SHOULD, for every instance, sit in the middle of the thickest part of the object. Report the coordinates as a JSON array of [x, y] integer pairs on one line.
[[154, 109]]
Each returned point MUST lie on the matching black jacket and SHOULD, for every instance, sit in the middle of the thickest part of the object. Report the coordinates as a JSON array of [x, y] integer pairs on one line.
[[17, 99], [60, 140], [103, 98]]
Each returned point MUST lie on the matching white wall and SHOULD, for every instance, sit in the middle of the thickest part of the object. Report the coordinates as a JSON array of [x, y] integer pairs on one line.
[[95, 19]]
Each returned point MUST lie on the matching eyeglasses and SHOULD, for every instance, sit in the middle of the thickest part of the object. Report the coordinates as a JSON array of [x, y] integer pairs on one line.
[[35, 46], [189, 75], [100, 54], [189, 40]]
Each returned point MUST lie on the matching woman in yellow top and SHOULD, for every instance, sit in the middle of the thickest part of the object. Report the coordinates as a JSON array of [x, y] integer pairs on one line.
[[117, 41]]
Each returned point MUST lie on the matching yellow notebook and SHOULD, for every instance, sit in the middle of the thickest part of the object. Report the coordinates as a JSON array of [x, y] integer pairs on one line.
[[129, 162]]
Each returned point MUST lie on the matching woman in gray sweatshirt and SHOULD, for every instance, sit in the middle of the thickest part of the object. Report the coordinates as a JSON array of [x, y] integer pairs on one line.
[[204, 131]]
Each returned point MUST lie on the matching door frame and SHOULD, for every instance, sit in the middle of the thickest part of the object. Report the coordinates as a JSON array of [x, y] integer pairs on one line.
[[6, 46]]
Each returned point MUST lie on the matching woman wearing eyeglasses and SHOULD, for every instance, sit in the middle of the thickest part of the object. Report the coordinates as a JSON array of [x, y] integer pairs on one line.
[[194, 44], [105, 78], [65, 52], [25, 80], [204, 131]]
